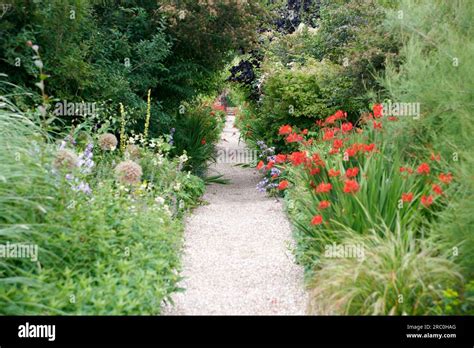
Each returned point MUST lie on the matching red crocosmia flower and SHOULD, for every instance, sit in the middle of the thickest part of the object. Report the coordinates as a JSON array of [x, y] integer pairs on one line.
[[337, 143], [203, 141], [314, 171], [260, 165], [392, 118], [280, 158], [328, 134], [333, 173], [377, 125], [304, 131], [426, 200], [352, 172], [351, 186], [297, 158], [284, 130], [406, 169], [270, 165], [317, 159], [369, 147], [346, 127], [312, 184], [378, 110], [437, 189], [331, 119], [445, 178], [350, 152], [333, 151], [283, 185], [293, 138], [435, 157], [340, 114], [423, 168], [407, 197], [320, 123], [324, 204], [317, 220], [323, 187]]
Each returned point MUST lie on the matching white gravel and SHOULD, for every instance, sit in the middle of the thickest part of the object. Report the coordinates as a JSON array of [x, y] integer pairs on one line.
[[237, 253]]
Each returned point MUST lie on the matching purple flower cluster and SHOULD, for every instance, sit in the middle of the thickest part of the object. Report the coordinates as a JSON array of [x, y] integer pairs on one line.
[[85, 159]]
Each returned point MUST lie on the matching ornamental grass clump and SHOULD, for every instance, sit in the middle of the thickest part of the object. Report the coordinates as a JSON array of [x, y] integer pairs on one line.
[[128, 172]]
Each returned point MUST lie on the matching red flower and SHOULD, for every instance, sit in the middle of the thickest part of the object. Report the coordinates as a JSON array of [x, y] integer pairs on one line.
[[437, 189], [314, 171], [283, 185], [407, 197], [270, 165], [446, 178], [328, 134], [377, 125], [323, 187], [337, 144], [350, 152], [351, 186], [369, 147], [340, 114], [280, 158], [426, 200], [324, 204], [260, 165], [378, 110], [392, 118], [317, 160], [293, 138], [423, 168], [304, 131], [352, 172], [331, 119], [346, 127], [203, 141], [297, 158], [333, 151], [317, 220], [406, 169], [435, 157], [334, 173], [284, 130]]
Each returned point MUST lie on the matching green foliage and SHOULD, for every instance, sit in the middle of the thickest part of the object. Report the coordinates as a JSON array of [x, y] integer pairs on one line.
[[436, 73], [197, 131], [114, 250]]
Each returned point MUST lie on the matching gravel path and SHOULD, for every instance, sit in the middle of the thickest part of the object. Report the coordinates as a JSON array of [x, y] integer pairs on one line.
[[237, 257]]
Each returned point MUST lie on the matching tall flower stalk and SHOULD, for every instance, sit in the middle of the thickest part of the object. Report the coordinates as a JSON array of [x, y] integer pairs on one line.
[[148, 114], [122, 128]]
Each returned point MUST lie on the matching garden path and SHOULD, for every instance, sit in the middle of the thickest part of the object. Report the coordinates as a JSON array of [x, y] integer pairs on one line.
[[237, 252]]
